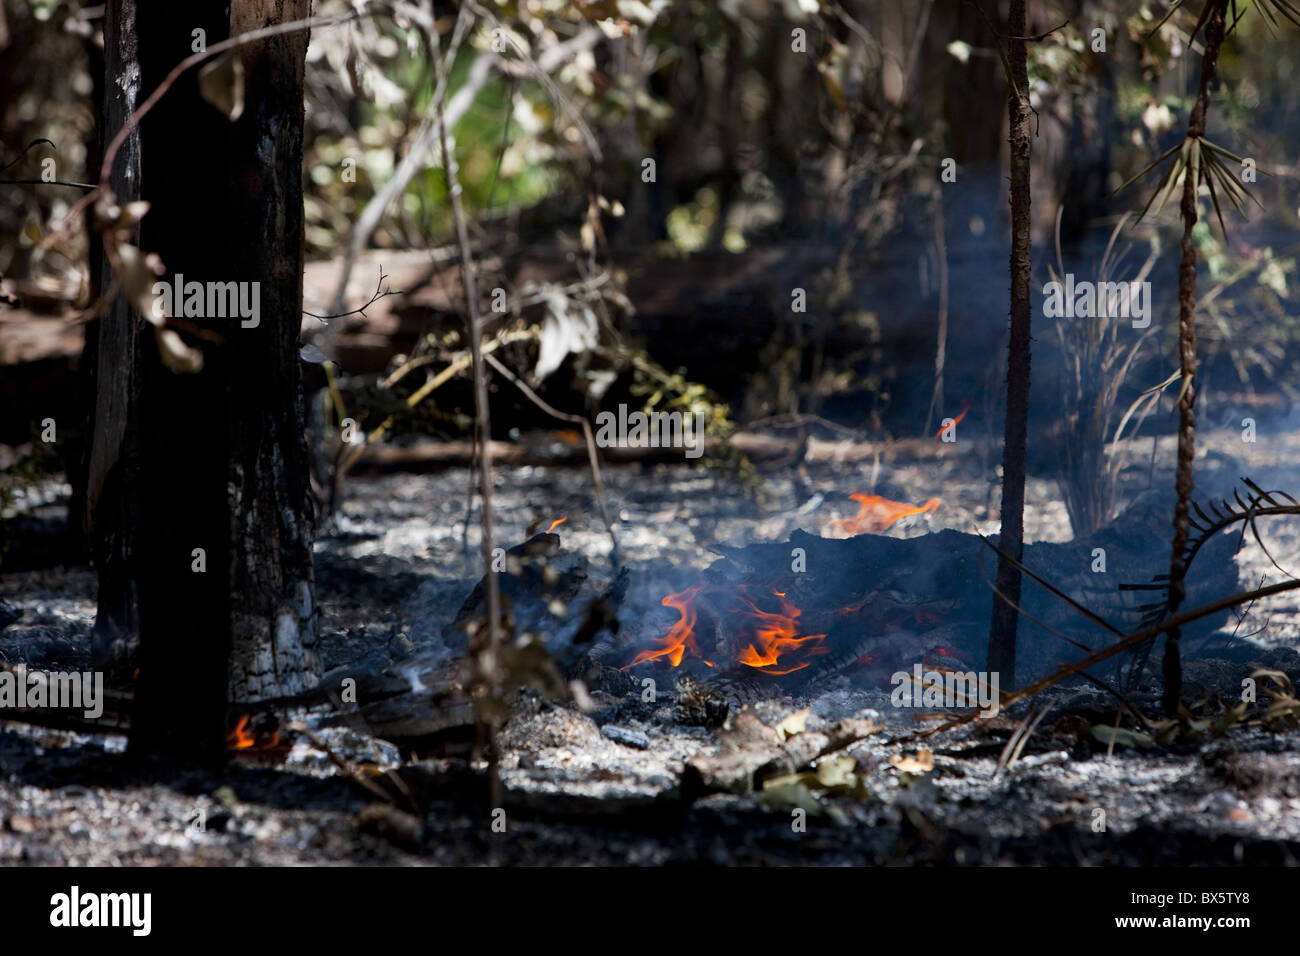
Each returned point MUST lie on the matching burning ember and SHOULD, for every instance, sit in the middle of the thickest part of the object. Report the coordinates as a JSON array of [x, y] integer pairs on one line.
[[876, 514]]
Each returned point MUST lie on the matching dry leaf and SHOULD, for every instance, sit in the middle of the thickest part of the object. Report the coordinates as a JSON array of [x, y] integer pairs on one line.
[[176, 355], [569, 327], [923, 762], [221, 83], [138, 273], [796, 723]]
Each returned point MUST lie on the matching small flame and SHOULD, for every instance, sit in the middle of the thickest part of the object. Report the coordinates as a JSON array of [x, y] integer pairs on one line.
[[778, 634], [555, 524], [681, 638], [876, 514], [240, 738], [965, 407]]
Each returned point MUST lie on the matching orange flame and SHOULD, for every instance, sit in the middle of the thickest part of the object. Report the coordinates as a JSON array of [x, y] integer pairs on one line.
[[681, 638], [555, 524], [240, 738], [965, 407], [876, 514], [777, 634]]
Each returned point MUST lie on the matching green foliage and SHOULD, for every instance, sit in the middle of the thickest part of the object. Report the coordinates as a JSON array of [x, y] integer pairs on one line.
[[662, 390]]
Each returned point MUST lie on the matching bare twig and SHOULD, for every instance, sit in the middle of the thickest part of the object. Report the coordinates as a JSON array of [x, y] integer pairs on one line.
[[1016, 742], [379, 293], [372, 788], [426, 136], [487, 664], [45, 182], [1119, 647], [587, 434], [430, 129], [1094, 681]]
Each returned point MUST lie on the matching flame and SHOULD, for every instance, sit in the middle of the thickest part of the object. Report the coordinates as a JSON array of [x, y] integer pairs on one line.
[[965, 407], [240, 738], [777, 647], [681, 638], [777, 634], [555, 524], [876, 514]]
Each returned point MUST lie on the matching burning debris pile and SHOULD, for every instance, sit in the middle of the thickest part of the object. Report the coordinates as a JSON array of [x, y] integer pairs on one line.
[[777, 618], [800, 617]]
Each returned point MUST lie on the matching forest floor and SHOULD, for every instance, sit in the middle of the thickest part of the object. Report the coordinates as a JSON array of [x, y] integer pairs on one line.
[[614, 785]]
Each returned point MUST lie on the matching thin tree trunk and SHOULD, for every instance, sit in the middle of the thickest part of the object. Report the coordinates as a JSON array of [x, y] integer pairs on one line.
[[1005, 619], [1184, 481]]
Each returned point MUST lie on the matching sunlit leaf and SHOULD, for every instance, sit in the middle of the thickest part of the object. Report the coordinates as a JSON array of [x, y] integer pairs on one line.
[[221, 83]]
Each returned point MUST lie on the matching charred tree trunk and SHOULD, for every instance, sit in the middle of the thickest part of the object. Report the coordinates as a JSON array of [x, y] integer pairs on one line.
[[110, 512], [274, 623], [214, 474], [1184, 480], [1006, 615]]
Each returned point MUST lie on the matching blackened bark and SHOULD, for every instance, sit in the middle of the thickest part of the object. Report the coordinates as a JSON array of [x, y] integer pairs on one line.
[[1002, 630], [112, 356], [1184, 480], [210, 470], [184, 558], [272, 512]]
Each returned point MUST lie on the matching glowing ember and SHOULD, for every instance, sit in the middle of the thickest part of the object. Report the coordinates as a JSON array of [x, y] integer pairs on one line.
[[965, 407], [555, 524], [674, 645], [876, 514], [777, 634]]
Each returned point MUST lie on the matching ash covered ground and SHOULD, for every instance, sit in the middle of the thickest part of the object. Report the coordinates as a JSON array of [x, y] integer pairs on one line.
[[631, 781]]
